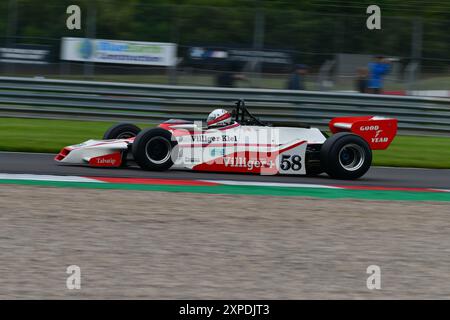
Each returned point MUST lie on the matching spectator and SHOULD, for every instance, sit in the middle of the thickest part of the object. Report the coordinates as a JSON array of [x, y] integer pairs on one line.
[[377, 70], [361, 80], [228, 77], [297, 78]]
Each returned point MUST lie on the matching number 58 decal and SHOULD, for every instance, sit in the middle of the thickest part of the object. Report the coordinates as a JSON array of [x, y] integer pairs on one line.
[[292, 161]]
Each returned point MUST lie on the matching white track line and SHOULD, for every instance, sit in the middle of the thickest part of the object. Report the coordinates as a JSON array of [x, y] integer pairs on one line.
[[43, 177], [441, 190], [270, 184]]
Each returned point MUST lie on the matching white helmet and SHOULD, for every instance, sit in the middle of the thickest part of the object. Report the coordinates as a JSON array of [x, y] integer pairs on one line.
[[219, 118]]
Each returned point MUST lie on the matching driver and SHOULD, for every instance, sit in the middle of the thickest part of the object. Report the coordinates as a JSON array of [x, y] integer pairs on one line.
[[219, 118]]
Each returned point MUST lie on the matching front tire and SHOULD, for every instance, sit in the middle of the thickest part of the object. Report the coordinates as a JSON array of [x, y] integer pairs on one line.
[[121, 131], [345, 156], [152, 149]]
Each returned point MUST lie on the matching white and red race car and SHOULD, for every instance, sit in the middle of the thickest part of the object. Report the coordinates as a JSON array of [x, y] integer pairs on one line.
[[245, 145]]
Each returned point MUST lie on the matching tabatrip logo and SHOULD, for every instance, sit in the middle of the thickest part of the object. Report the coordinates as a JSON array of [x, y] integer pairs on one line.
[[106, 161], [109, 160]]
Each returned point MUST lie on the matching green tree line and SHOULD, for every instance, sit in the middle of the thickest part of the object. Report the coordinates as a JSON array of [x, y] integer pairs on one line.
[[312, 28]]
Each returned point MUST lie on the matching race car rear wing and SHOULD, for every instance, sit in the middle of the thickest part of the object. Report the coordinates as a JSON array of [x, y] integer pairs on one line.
[[377, 131]]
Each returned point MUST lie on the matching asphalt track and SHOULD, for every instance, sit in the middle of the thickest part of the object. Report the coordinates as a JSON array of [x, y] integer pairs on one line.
[[38, 163]]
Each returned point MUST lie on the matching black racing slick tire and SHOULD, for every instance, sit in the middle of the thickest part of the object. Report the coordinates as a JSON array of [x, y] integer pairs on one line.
[[121, 131], [152, 149], [345, 156]]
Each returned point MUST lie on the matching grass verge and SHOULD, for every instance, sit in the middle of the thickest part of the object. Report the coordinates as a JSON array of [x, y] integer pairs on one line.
[[41, 135]]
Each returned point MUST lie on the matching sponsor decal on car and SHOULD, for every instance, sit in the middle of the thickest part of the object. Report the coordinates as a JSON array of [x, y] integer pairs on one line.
[[209, 139], [369, 128], [109, 160], [217, 152], [378, 139], [250, 164]]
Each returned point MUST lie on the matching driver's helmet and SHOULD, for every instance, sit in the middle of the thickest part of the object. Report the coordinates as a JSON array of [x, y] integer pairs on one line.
[[219, 118]]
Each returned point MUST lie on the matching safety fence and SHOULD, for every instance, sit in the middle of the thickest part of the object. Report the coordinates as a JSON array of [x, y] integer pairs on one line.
[[89, 100]]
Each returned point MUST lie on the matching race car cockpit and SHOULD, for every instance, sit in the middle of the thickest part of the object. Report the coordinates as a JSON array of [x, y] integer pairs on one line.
[[241, 115]]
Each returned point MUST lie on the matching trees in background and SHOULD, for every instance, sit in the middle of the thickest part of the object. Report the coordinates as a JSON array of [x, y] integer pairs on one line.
[[317, 27]]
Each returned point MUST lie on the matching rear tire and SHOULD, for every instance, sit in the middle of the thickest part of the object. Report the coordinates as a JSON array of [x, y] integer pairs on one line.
[[121, 131], [152, 149], [345, 156]]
